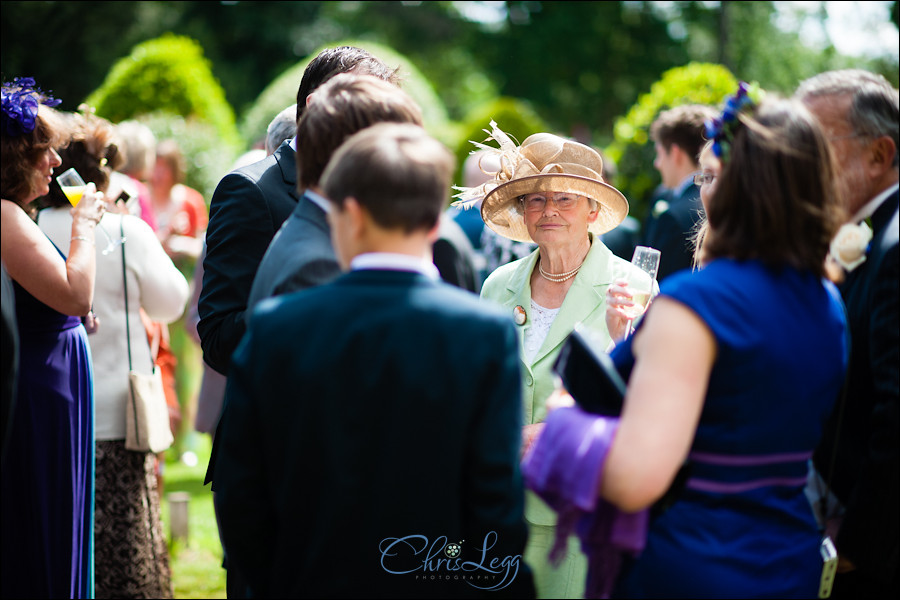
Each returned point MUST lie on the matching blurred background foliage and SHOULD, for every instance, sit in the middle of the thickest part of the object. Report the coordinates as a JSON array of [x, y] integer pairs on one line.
[[282, 92], [595, 71]]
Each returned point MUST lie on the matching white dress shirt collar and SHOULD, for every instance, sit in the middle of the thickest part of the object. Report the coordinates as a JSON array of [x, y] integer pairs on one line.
[[869, 209], [389, 261], [318, 200]]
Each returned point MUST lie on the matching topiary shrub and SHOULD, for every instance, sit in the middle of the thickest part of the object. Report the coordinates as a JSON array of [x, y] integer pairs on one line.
[[168, 74], [282, 92], [514, 116], [694, 83]]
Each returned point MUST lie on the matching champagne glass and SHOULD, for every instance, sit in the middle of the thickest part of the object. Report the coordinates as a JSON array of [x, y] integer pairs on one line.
[[642, 285], [73, 186]]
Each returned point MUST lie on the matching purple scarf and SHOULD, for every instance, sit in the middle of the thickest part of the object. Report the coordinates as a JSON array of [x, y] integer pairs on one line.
[[564, 468]]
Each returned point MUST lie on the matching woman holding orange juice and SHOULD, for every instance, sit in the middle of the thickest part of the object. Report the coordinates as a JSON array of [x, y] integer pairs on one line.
[[47, 481]]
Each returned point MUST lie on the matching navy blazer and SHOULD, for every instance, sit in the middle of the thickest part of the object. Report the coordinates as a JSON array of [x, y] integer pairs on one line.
[[373, 422], [247, 209], [866, 472], [670, 232]]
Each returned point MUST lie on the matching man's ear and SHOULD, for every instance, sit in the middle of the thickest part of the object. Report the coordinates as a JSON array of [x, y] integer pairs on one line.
[[882, 151], [433, 233], [680, 157], [357, 215]]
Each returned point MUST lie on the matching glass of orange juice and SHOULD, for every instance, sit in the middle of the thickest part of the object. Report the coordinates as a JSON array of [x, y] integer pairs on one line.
[[72, 186]]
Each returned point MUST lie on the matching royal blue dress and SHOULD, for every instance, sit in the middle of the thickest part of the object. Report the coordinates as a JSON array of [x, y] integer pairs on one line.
[[742, 526], [48, 472]]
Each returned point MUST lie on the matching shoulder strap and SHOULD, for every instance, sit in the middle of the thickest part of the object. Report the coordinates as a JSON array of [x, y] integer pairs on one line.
[[125, 287]]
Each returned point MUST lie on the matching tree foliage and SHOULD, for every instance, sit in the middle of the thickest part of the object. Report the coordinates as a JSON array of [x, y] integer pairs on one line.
[[282, 92]]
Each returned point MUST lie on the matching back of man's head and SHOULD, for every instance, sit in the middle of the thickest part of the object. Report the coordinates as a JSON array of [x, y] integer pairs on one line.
[[341, 107], [397, 172], [342, 59], [682, 126]]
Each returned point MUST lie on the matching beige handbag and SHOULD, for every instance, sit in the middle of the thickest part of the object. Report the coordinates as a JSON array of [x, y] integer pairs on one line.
[[147, 416]]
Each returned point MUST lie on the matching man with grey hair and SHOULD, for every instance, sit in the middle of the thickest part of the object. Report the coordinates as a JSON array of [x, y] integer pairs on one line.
[[858, 456], [283, 127]]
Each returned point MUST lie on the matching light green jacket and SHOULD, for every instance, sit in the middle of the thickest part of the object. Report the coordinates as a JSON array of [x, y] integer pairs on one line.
[[585, 304]]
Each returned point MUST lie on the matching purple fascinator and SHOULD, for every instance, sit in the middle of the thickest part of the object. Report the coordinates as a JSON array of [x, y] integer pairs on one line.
[[21, 99]]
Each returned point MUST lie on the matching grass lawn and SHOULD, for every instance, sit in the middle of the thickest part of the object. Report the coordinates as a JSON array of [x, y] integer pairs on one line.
[[197, 564]]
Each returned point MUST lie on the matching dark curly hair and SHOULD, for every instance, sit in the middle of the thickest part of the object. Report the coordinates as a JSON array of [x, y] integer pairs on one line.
[[92, 150], [20, 154]]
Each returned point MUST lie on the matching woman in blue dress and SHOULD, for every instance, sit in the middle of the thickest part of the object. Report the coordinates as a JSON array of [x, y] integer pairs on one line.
[[733, 368], [47, 474], [736, 368]]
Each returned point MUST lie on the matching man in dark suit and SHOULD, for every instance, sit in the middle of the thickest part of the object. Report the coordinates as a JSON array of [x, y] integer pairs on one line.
[[355, 464], [300, 255], [858, 455], [247, 209], [678, 136]]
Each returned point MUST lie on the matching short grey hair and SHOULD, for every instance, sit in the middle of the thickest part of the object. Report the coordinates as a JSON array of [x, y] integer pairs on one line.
[[875, 103], [283, 127]]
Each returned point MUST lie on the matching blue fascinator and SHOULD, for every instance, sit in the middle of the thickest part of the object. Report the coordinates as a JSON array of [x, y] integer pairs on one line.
[[721, 129], [21, 98]]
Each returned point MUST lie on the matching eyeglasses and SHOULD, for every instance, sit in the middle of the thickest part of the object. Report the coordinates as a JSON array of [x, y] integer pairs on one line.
[[533, 204], [704, 178]]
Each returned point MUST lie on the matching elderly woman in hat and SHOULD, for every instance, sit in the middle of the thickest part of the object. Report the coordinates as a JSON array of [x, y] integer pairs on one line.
[[551, 191]]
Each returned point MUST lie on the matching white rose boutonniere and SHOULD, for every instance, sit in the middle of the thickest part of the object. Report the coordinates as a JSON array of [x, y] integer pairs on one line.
[[849, 246]]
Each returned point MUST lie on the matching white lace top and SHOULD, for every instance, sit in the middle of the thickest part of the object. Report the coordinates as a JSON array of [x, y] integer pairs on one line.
[[541, 320]]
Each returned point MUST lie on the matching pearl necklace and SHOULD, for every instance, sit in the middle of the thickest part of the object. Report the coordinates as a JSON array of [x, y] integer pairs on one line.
[[558, 277]]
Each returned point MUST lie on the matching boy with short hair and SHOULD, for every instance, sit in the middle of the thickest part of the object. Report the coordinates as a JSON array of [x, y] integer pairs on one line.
[[394, 425]]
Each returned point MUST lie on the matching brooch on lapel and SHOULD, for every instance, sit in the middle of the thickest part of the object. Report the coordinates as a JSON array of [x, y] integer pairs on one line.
[[519, 315]]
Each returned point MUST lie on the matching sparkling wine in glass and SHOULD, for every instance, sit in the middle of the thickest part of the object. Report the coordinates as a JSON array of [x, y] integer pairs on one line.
[[642, 284], [73, 185]]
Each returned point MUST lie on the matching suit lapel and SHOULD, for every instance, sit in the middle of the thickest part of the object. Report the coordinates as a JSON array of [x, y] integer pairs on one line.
[[287, 162], [519, 288]]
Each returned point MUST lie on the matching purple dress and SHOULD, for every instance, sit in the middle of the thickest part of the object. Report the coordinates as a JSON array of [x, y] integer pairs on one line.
[[48, 472]]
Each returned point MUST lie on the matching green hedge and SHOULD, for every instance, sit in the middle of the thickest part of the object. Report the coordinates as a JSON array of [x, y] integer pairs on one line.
[[282, 92], [694, 83], [168, 74]]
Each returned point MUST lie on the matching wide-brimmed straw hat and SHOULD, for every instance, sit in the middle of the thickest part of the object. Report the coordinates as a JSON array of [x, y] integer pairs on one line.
[[543, 163]]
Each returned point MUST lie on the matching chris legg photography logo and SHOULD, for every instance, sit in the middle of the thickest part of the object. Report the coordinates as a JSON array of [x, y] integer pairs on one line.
[[449, 560]]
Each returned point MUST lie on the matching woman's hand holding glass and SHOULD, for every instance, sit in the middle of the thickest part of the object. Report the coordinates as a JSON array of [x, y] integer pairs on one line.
[[87, 203], [620, 306], [90, 205]]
